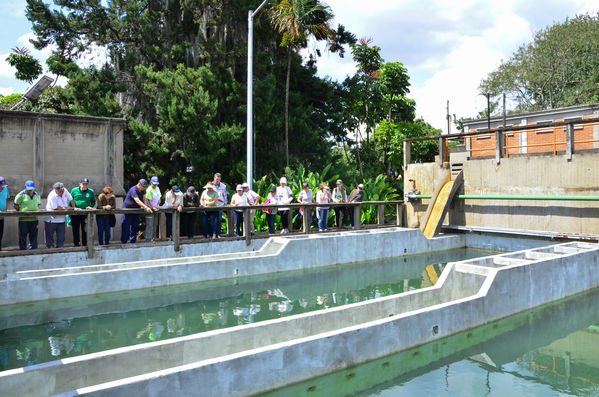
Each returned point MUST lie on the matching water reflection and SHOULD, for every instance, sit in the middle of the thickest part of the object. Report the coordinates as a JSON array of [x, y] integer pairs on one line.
[[71, 327]]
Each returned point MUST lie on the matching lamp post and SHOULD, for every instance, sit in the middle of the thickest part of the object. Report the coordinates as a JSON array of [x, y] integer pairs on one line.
[[250, 99]]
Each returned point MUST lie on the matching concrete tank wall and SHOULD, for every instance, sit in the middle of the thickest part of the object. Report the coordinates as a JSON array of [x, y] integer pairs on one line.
[[541, 175]]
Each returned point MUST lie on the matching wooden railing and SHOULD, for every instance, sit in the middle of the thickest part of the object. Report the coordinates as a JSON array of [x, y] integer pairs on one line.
[[176, 220]]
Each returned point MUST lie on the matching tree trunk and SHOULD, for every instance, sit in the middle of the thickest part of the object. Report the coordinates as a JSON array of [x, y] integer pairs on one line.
[[287, 108], [358, 153]]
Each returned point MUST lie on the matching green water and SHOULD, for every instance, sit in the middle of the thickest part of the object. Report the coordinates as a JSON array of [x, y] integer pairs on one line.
[[550, 351], [45, 331]]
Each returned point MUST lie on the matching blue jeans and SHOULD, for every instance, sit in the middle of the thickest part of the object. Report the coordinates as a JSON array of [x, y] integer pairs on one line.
[[238, 215], [169, 224], [130, 227], [27, 229], [103, 229], [52, 228], [209, 222], [323, 214], [338, 212], [270, 218]]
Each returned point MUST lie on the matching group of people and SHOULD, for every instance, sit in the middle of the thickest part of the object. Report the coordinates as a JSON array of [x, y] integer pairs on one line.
[[148, 196]]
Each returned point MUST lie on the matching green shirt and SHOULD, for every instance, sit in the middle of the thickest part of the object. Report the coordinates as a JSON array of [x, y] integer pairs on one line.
[[84, 199], [28, 203], [209, 197]]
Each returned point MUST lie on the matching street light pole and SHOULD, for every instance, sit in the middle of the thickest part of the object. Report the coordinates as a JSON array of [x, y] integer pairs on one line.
[[250, 89]]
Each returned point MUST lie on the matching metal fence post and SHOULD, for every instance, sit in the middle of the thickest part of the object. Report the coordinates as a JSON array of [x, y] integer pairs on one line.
[[176, 232], [91, 227], [381, 214]]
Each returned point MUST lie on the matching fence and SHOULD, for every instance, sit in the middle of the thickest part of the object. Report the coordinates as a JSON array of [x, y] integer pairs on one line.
[[398, 207], [502, 143]]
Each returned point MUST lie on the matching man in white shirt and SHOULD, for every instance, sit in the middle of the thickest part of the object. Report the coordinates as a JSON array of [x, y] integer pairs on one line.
[[59, 199], [284, 196], [173, 199], [253, 199]]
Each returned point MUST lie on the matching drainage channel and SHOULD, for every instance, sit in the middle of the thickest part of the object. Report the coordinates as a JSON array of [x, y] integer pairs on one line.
[[551, 350], [45, 331]]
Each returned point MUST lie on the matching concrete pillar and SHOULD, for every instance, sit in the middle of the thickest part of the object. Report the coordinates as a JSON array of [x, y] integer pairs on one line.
[[290, 218], [399, 214], [442, 151], [246, 227], [357, 216], [91, 233], [109, 157], [176, 230], [381, 214], [230, 222], [407, 153], [569, 141], [306, 220], [499, 143], [38, 155]]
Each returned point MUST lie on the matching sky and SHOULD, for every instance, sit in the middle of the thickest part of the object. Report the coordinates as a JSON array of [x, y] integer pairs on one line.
[[448, 46]]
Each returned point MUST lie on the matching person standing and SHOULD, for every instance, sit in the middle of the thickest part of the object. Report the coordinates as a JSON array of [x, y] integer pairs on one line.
[[356, 196], [306, 197], [153, 197], [239, 199], [340, 196], [85, 199], [209, 199], [107, 202], [135, 198], [223, 200], [323, 197], [172, 199], [28, 200], [284, 196], [59, 199], [253, 199], [4, 196], [191, 199], [271, 213]]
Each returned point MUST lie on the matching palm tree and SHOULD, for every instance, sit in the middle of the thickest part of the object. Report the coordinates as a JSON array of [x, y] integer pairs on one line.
[[297, 20]]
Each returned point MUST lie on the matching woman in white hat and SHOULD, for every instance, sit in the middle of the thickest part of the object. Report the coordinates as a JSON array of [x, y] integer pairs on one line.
[[239, 199]]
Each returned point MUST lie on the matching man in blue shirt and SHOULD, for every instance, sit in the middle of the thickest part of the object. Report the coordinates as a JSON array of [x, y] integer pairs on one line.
[[130, 222], [3, 197]]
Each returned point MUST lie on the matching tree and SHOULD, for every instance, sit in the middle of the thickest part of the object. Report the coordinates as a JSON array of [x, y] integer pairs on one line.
[[559, 68], [297, 20], [28, 68]]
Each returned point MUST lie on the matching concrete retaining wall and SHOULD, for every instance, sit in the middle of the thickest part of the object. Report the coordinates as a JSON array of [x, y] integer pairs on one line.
[[544, 175]]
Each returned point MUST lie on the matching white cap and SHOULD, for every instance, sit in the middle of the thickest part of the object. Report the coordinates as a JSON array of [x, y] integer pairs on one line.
[[239, 187], [245, 184], [361, 186], [283, 180]]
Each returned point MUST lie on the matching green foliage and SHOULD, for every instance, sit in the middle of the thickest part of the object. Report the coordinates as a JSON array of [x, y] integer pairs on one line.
[[28, 68], [559, 68], [7, 102]]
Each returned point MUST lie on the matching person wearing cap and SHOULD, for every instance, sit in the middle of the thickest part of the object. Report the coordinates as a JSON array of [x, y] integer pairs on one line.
[[107, 202], [323, 197], [284, 196], [306, 197], [253, 199], [172, 199], [135, 198], [153, 197], [59, 199], [221, 189], [85, 199], [209, 199], [271, 213], [356, 196], [239, 199], [4, 196], [28, 200], [191, 199], [340, 196]]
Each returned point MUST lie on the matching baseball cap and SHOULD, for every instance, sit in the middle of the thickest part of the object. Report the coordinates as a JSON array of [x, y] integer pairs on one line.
[[361, 186], [245, 184], [58, 186], [30, 185], [273, 189], [176, 189], [154, 180], [239, 187], [283, 180], [339, 181], [3, 182], [143, 182], [84, 180], [305, 184]]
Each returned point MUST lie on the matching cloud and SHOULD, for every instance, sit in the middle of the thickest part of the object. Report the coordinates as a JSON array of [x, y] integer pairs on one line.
[[5, 91], [5, 69]]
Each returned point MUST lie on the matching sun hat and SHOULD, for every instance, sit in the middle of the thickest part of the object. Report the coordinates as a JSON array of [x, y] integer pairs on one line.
[[209, 185]]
